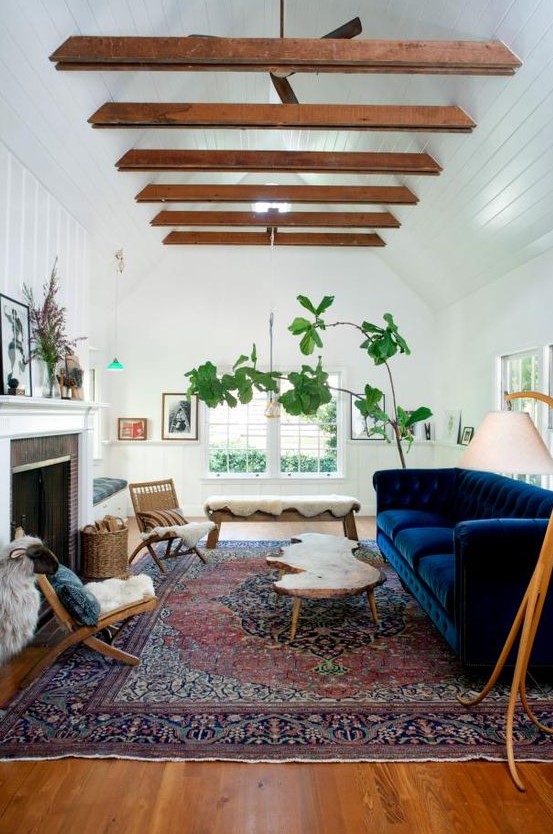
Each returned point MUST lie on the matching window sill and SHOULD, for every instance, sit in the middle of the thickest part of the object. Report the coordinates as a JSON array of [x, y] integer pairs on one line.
[[267, 479]]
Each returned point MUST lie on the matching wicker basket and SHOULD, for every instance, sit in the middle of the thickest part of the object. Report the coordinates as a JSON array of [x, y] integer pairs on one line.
[[104, 549]]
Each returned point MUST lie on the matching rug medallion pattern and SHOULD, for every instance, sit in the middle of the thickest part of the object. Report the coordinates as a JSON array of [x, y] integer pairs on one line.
[[219, 679]]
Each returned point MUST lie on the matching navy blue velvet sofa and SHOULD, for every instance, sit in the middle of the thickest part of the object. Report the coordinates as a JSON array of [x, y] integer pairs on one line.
[[465, 544]]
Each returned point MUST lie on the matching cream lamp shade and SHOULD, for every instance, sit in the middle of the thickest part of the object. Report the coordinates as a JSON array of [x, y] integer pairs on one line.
[[508, 441]]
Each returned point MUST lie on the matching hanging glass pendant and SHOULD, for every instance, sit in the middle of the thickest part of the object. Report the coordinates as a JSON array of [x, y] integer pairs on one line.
[[273, 405]]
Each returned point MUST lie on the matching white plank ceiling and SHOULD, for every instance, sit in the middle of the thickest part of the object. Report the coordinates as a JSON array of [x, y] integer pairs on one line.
[[490, 210]]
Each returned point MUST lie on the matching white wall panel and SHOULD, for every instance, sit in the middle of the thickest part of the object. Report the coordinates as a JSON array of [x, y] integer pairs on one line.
[[35, 229]]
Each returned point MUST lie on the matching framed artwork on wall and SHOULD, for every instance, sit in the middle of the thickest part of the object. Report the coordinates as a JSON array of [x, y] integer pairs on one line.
[[15, 347], [466, 435], [452, 426], [358, 427], [132, 428], [179, 417]]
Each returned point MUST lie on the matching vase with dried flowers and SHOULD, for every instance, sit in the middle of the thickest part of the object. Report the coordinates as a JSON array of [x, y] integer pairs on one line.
[[49, 341]]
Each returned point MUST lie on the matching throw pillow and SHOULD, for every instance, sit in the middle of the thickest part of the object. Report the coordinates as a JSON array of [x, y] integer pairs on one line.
[[162, 518], [81, 603]]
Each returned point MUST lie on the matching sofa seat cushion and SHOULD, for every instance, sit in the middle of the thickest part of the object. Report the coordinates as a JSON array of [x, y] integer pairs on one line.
[[438, 573], [392, 522], [423, 541]]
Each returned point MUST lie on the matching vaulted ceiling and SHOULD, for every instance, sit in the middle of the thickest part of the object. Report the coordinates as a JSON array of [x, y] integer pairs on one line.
[[487, 207]]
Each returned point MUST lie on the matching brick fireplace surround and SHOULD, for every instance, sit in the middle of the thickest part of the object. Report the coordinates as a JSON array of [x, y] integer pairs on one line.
[[52, 424]]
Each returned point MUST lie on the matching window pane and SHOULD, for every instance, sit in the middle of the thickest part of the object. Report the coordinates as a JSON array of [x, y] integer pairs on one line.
[[309, 444], [520, 372], [238, 438]]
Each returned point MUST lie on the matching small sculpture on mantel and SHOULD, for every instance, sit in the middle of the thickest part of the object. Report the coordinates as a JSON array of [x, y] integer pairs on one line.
[[70, 378]]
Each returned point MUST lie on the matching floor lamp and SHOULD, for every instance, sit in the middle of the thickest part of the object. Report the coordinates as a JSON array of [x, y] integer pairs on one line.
[[508, 441]]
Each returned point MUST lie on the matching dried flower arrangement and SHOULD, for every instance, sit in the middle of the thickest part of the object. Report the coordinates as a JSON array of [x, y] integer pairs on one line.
[[49, 340]]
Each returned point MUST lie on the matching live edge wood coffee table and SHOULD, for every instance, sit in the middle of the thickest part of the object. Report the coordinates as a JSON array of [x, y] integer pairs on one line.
[[317, 566]]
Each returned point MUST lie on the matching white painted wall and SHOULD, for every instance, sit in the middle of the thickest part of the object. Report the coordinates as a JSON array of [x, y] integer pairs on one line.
[[34, 229], [513, 313], [213, 304]]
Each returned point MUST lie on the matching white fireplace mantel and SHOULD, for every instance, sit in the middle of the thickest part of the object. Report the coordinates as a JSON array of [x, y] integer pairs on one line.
[[41, 417]]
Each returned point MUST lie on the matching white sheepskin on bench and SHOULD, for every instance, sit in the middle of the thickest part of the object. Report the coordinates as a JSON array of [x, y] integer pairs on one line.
[[307, 505], [190, 533], [116, 593]]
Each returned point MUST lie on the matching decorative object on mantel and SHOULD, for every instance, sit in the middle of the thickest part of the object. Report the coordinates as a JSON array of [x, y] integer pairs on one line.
[[70, 378], [15, 347], [309, 388], [49, 340]]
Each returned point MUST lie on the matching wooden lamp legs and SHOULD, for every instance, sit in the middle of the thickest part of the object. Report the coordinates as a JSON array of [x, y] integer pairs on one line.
[[526, 623]]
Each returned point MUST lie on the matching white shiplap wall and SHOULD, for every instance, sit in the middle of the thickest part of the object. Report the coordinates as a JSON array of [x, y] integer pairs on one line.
[[35, 229]]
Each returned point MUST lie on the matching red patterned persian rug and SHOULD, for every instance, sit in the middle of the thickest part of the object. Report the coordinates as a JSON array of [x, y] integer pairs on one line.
[[219, 680]]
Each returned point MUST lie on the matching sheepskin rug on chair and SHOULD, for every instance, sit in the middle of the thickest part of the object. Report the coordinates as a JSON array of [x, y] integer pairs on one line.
[[20, 560], [116, 593]]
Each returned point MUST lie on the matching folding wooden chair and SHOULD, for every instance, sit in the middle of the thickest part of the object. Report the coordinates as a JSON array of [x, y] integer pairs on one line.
[[155, 504], [111, 624]]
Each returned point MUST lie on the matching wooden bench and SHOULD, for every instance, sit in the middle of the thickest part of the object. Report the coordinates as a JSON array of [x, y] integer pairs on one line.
[[316, 566], [223, 508]]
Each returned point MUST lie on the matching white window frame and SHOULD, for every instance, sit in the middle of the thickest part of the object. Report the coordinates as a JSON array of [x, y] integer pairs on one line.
[[273, 451], [534, 408]]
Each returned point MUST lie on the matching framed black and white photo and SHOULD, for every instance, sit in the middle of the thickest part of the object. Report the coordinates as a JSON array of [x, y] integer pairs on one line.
[[179, 419], [15, 347], [358, 425], [466, 435]]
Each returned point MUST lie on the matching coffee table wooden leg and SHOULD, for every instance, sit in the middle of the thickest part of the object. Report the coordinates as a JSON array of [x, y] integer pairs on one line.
[[372, 603], [295, 617]]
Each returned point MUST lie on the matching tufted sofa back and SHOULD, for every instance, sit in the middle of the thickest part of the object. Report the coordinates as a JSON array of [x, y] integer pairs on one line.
[[487, 495], [460, 494]]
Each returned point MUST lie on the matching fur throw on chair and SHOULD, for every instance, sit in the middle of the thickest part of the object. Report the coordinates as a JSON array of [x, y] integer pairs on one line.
[[115, 593], [19, 598]]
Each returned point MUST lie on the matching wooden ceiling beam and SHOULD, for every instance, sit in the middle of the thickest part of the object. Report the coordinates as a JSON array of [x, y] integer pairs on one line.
[[274, 218], [315, 55], [437, 118], [246, 193], [322, 162], [279, 239]]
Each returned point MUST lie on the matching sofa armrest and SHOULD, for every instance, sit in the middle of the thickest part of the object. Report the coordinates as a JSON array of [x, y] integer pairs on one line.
[[498, 544], [431, 490], [494, 561]]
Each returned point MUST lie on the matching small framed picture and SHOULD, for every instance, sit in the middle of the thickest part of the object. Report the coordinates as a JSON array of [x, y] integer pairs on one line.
[[358, 426], [466, 435], [179, 420], [15, 347], [452, 426], [132, 428]]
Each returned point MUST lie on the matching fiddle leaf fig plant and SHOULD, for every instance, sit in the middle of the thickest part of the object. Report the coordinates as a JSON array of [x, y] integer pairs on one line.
[[308, 388]]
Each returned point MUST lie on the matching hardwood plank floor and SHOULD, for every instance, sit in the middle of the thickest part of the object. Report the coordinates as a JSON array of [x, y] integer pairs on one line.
[[92, 796]]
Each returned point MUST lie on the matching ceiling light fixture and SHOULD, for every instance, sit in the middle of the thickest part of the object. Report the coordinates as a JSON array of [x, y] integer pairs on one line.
[[282, 208]]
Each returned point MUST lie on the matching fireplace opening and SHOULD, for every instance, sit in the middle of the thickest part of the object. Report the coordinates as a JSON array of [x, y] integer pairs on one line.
[[40, 503]]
